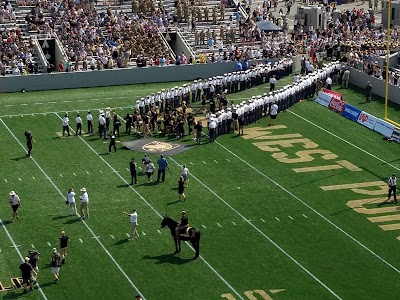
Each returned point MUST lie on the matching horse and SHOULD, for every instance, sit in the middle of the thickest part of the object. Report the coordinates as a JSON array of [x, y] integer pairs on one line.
[[193, 235]]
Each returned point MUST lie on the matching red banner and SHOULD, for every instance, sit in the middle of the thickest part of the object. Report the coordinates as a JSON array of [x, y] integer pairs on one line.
[[337, 105], [334, 94]]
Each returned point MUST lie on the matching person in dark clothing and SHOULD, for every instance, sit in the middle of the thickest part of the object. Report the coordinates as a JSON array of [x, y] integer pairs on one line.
[[162, 166], [33, 260], [190, 121], [183, 224], [63, 246], [128, 123], [181, 189], [132, 168], [180, 129], [112, 143], [199, 131], [26, 274], [29, 138], [368, 92], [116, 125], [212, 105]]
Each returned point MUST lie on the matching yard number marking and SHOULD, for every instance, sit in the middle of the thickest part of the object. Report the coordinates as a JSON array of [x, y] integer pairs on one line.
[[251, 295]]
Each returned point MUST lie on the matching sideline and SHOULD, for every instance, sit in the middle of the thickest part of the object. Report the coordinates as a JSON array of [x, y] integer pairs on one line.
[[308, 206], [20, 255], [153, 209], [83, 221], [262, 233], [346, 141]]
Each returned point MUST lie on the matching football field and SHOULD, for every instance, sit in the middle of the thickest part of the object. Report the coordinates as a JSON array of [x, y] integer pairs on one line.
[[291, 211]]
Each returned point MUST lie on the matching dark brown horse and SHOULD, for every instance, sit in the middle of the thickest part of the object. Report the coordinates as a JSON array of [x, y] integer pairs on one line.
[[193, 235]]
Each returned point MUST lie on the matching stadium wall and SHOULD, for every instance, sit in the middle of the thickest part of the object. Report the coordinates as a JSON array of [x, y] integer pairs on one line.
[[360, 79], [56, 81]]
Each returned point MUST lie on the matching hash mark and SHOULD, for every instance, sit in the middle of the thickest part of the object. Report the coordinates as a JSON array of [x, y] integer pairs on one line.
[[19, 179], [159, 231], [74, 174], [143, 233], [263, 220], [127, 169], [127, 234], [238, 187], [219, 225], [24, 104], [9, 105], [101, 171], [5, 180], [95, 237], [16, 246], [233, 223], [48, 243], [204, 227], [290, 217], [277, 219], [61, 175], [87, 172], [33, 246], [80, 240], [67, 101], [305, 216], [53, 102], [191, 163], [204, 162], [33, 177], [215, 161], [112, 237]]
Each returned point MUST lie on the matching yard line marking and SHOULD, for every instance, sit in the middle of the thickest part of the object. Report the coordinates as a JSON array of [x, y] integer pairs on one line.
[[191, 163], [66, 101], [48, 244], [87, 172], [33, 246], [219, 225], [277, 219], [310, 207], [81, 240], [290, 217], [38, 103], [33, 177], [305, 216], [128, 235], [215, 161], [204, 226], [9, 105], [261, 232], [33, 115], [15, 246], [74, 174], [263, 220], [20, 255], [24, 104], [113, 237], [127, 169], [5, 180], [238, 187], [61, 175], [122, 97], [153, 209], [228, 160], [143, 233], [19, 179], [233, 223], [83, 221], [52, 102], [95, 237], [204, 162], [109, 98], [158, 231]]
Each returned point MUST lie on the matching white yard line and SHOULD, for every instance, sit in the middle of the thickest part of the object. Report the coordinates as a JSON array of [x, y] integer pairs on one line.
[[83, 221], [310, 207], [156, 212], [262, 233], [20, 255]]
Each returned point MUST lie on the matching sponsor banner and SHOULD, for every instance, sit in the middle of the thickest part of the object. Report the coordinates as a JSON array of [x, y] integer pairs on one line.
[[396, 134], [323, 101], [333, 94], [337, 105], [384, 128], [351, 112], [367, 120]]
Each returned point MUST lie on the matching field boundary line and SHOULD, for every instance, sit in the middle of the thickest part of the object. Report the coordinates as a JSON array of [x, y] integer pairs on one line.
[[311, 208], [83, 221], [153, 209], [60, 112], [346, 141], [262, 233], [20, 254]]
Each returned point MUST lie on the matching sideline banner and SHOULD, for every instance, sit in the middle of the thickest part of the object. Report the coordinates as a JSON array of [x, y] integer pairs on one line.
[[333, 94], [351, 112], [384, 128], [337, 105], [367, 120], [323, 99], [396, 134]]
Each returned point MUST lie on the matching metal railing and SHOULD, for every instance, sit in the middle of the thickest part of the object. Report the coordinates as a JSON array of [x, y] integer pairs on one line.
[[39, 51]]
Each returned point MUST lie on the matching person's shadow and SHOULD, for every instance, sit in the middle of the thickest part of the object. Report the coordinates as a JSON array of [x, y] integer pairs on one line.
[[121, 242], [168, 259]]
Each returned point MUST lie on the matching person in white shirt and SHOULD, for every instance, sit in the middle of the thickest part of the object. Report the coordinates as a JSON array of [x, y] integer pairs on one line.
[[392, 184], [84, 208], [185, 174], [65, 122], [102, 126], [274, 113], [329, 83], [89, 119], [71, 201], [15, 203], [108, 117], [78, 125], [133, 219], [272, 82]]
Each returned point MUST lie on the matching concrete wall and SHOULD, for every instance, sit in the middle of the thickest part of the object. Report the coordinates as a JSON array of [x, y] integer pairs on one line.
[[360, 79], [55, 81]]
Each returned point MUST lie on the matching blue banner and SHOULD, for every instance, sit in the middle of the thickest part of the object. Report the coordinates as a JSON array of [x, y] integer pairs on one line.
[[351, 112]]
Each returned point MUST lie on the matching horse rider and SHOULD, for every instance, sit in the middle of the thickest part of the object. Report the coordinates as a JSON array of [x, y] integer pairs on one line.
[[184, 223]]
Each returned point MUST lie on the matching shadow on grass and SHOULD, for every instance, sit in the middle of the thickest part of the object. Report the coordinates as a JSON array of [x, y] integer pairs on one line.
[[61, 217], [168, 259], [121, 242], [15, 294], [19, 158], [148, 183], [7, 222], [173, 202], [72, 221], [121, 186]]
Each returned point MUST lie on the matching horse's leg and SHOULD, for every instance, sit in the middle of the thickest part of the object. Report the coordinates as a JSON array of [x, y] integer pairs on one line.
[[196, 244], [179, 245], [176, 245]]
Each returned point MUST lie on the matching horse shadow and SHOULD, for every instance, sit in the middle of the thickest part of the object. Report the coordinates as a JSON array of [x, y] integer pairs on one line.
[[168, 259], [173, 202], [121, 242]]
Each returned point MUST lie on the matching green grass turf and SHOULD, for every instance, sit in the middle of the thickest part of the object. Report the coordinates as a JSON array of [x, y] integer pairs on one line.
[[222, 189]]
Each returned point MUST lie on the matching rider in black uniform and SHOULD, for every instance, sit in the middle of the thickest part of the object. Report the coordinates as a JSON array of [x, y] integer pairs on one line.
[[28, 136], [183, 224]]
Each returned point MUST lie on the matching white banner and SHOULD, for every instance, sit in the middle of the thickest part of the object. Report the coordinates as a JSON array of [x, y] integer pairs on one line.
[[323, 99], [367, 120], [384, 128]]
